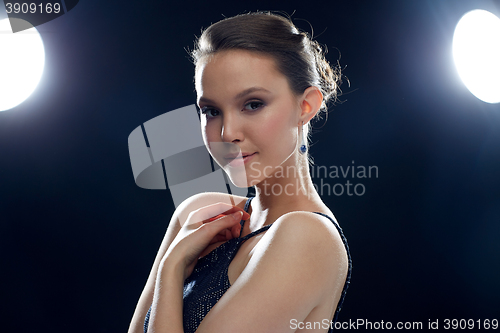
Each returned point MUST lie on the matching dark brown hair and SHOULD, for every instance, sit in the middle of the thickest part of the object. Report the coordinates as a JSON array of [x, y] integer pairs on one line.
[[297, 56]]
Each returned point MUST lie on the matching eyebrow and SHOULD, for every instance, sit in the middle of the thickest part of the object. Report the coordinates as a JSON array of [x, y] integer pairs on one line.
[[240, 95]]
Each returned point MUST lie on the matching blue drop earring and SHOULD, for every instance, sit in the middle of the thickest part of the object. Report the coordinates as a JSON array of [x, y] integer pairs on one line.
[[303, 147]]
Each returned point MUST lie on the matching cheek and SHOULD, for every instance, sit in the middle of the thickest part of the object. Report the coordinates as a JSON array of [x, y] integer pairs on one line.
[[205, 133], [278, 130], [209, 132]]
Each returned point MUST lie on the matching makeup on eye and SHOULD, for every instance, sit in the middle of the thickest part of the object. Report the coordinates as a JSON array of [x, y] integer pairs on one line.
[[249, 106], [206, 109], [254, 105]]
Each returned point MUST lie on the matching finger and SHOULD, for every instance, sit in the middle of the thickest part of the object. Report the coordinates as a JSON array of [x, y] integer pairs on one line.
[[222, 236], [205, 213], [228, 234], [236, 230], [225, 234], [214, 228], [216, 217], [218, 238], [231, 211]]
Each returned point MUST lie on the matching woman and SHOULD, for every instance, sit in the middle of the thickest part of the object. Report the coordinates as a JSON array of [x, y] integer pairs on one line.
[[277, 262]]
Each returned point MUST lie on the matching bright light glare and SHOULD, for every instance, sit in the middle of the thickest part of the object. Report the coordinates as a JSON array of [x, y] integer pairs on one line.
[[476, 50], [22, 58]]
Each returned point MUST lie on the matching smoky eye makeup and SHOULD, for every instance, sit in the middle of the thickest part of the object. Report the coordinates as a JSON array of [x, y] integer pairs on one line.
[[253, 105], [209, 111]]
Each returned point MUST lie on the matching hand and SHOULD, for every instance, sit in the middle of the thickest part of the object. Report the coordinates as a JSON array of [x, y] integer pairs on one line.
[[225, 234], [205, 226]]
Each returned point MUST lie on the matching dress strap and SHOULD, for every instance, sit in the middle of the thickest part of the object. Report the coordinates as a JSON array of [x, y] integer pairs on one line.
[[242, 222], [348, 277], [247, 205], [264, 228]]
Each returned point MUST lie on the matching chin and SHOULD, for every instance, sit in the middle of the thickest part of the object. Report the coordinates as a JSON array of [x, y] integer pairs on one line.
[[240, 178]]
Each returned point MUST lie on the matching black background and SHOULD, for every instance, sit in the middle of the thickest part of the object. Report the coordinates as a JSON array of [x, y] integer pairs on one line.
[[78, 237]]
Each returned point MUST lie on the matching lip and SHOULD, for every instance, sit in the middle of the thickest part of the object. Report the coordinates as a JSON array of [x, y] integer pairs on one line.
[[239, 161], [233, 156]]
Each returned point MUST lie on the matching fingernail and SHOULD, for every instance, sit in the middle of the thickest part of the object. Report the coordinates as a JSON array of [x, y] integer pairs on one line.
[[237, 215]]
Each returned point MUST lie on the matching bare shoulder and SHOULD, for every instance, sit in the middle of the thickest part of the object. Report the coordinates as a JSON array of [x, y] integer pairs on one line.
[[204, 199], [299, 264], [312, 238], [307, 226]]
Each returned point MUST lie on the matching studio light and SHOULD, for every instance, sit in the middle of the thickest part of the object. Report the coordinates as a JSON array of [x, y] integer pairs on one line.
[[22, 58], [476, 51]]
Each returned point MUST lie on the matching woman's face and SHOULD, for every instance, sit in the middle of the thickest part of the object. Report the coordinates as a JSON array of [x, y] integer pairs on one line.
[[249, 115]]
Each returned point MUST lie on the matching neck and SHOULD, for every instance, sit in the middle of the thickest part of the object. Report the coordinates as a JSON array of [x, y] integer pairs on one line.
[[290, 188]]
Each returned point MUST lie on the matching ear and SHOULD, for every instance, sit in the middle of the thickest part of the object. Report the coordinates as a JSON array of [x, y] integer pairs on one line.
[[310, 103]]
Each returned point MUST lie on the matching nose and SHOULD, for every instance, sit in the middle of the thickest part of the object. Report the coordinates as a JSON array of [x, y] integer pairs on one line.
[[232, 128]]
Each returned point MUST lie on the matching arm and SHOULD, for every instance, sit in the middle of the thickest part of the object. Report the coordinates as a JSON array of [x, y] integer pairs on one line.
[[178, 218], [295, 266], [181, 257], [146, 298]]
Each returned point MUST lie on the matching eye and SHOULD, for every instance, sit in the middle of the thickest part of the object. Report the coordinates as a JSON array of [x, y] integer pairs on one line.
[[253, 105], [209, 112]]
